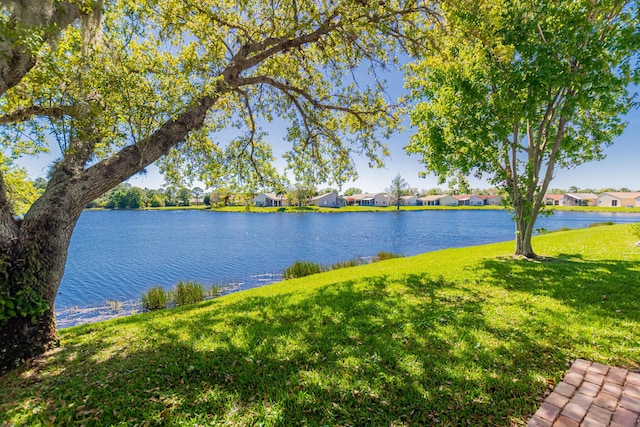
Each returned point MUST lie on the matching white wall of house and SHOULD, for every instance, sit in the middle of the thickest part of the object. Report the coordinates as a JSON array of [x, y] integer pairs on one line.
[[382, 199], [438, 200], [260, 200], [269, 200], [328, 200], [448, 201], [470, 201], [619, 199], [409, 201], [608, 200]]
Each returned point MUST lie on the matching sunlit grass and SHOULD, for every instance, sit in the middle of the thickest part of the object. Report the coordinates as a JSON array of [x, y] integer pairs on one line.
[[456, 337]]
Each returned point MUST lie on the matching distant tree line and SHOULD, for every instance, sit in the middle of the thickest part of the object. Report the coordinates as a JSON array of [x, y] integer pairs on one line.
[[126, 196]]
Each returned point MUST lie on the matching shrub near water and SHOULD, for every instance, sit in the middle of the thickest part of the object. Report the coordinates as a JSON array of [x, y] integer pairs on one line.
[[302, 269], [382, 256], [154, 299], [188, 293]]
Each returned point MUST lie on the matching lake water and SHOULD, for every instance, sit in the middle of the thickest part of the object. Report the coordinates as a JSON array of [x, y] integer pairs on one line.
[[117, 255]]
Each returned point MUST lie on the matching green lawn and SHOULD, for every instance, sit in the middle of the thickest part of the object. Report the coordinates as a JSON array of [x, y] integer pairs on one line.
[[459, 336], [621, 209]]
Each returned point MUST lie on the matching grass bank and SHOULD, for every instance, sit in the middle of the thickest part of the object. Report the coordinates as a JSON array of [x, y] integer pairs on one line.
[[458, 336], [621, 209]]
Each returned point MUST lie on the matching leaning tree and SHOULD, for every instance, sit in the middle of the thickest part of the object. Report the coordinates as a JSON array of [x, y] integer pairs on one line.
[[115, 86], [514, 89]]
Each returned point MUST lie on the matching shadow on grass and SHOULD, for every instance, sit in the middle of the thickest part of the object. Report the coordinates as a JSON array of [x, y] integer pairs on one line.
[[415, 350], [610, 287]]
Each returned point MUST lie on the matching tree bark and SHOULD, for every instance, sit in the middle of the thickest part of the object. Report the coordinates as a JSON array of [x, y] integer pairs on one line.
[[524, 229], [34, 264]]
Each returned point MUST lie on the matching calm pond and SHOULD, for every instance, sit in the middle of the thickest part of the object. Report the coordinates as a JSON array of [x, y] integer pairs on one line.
[[117, 255]]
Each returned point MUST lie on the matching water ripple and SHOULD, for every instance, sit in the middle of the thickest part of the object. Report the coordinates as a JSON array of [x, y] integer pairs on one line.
[[118, 255]]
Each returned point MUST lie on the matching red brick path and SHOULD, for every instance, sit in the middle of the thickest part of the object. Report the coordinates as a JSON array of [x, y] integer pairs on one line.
[[592, 394]]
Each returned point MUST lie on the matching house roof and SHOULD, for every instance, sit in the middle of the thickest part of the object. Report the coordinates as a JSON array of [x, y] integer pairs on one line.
[[464, 196], [623, 195], [322, 195], [488, 196], [407, 197], [582, 196], [366, 196], [274, 196], [554, 196]]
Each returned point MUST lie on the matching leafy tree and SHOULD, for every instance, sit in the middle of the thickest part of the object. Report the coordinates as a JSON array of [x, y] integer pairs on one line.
[[327, 190], [184, 194], [156, 201], [300, 194], [135, 82], [353, 190], [397, 188], [459, 185], [135, 198], [434, 191], [40, 184], [516, 89], [21, 192]]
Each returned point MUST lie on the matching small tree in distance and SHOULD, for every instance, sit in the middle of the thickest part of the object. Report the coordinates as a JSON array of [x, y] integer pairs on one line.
[[397, 189]]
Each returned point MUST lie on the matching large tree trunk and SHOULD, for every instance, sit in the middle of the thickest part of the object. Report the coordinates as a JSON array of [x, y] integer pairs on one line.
[[34, 262]]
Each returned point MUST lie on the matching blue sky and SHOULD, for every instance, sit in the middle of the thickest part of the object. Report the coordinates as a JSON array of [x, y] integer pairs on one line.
[[621, 168]]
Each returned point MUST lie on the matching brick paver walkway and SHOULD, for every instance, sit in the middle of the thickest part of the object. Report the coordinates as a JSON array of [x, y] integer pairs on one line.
[[592, 394]]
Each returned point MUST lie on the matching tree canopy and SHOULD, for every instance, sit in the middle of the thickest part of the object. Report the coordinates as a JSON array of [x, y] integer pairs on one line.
[[512, 90]]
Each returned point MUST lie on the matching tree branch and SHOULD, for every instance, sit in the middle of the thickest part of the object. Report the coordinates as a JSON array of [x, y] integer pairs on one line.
[[252, 129], [24, 114], [287, 89]]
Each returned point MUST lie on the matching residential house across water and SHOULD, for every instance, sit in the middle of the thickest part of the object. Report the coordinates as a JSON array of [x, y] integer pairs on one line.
[[408, 201], [579, 199], [437, 200], [491, 199], [619, 199], [469, 200], [268, 200], [372, 199], [327, 200]]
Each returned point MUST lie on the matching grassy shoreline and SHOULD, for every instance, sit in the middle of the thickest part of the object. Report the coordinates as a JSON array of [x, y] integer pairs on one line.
[[452, 336]]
